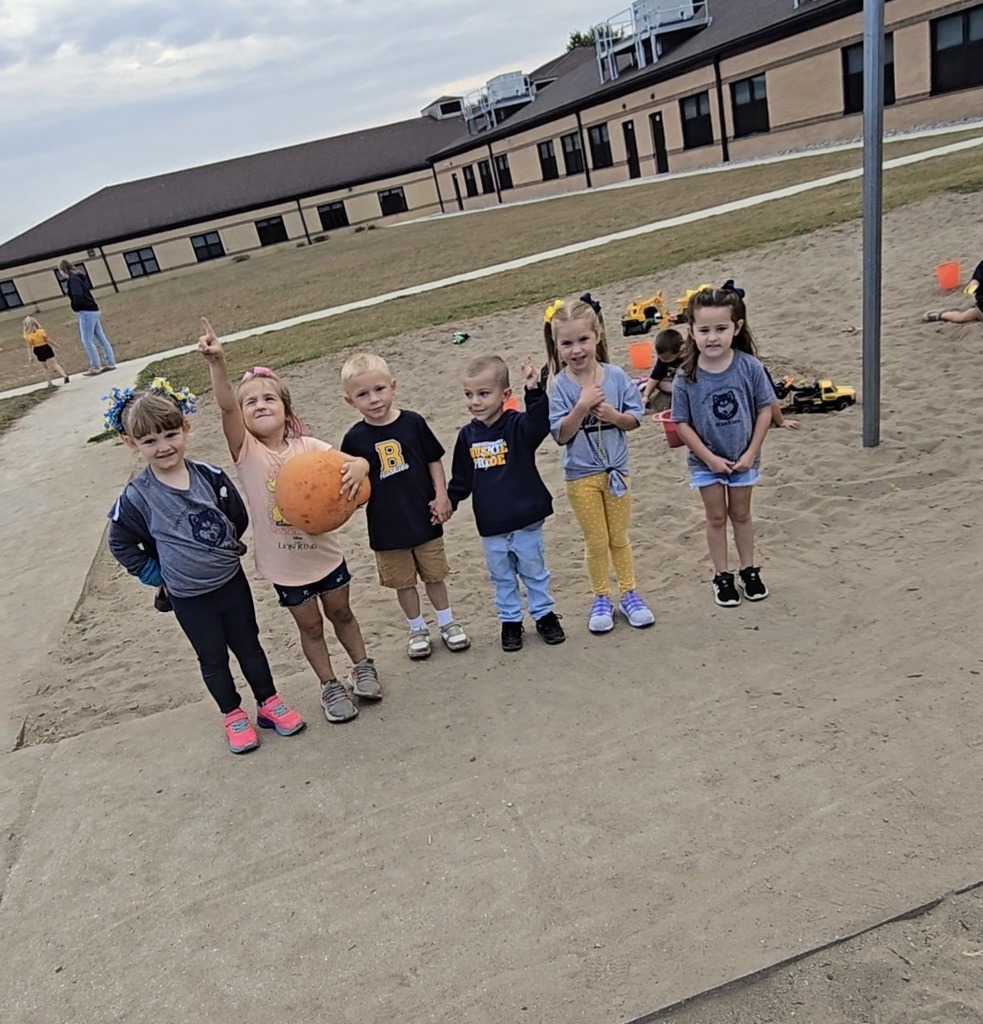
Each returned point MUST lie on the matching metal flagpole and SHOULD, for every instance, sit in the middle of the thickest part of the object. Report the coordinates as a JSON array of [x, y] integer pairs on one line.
[[872, 206]]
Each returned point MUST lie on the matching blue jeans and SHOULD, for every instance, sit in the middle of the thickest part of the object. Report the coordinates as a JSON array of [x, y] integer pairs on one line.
[[90, 328], [514, 556]]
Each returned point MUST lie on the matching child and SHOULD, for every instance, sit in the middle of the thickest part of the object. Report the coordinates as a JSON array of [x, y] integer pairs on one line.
[[657, 393], [495, 463], [44, 352], [962, 316], [592, 405], [179, 523], [408, 502], [263, 432], [722, 407]]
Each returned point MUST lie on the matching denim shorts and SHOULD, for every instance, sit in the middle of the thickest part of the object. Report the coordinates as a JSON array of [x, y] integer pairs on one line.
[[704, 478], [291, 597]]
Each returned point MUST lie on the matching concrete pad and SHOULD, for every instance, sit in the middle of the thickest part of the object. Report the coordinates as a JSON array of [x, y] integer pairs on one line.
[[554, 850]]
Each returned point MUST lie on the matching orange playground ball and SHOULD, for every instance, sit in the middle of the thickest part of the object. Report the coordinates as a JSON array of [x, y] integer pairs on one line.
[[308, 492]]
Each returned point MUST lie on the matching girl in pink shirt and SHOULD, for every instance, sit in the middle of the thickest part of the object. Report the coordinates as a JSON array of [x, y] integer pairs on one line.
[[262, 432]]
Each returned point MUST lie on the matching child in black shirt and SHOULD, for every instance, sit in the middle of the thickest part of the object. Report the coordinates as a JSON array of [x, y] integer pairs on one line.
[[495, 463], [408, 504], [962, 316], [657, 393]]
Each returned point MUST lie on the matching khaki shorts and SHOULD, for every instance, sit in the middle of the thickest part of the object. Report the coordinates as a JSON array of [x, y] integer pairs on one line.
[[400, 569]]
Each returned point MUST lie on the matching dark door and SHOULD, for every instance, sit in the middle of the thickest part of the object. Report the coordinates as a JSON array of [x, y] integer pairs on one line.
[[457, 192], [659, 143], [631, 148]]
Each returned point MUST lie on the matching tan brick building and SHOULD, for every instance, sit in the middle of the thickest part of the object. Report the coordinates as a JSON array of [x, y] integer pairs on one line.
[[672, 85]]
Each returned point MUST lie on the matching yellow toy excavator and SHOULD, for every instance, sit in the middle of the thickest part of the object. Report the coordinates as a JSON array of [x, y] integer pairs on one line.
[[644, 314]]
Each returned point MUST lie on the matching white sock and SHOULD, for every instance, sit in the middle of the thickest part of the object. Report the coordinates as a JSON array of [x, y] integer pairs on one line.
[[444, 617], [417, 623]]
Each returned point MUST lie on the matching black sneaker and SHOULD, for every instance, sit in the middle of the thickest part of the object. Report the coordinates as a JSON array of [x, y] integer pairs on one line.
[[511, 636], [549, 628], [752, 584], [724, 591]]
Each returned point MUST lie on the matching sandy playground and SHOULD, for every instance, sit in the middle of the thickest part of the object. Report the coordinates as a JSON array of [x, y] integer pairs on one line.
[[576, 834]]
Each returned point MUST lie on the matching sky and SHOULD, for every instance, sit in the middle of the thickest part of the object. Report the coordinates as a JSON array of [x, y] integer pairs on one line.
[[94, 94]]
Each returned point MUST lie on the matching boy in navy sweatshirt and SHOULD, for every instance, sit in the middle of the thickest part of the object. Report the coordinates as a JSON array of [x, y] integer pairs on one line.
[[495, 463]]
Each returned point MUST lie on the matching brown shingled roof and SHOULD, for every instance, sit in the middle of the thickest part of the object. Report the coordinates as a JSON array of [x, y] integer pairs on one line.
[[190, 196]]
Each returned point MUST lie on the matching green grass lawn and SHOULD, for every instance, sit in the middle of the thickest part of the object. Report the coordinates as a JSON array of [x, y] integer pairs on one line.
[[273, 285]]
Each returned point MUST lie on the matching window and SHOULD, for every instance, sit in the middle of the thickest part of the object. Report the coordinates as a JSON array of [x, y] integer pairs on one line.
[[207, 246], [853, 75], [9, 296], [600, 146], [573, 153], [485, 173], [749, 104], [957, 51], [141, 262], [504, 173], [470, 185], [450, 107], [271, 230], [333, 215], [547, 161], [392, 200], [697, 126], [63, 280]]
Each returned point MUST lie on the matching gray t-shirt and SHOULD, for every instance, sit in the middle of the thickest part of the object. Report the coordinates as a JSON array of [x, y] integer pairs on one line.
[[722, 407], [596, 447], [196, 544]]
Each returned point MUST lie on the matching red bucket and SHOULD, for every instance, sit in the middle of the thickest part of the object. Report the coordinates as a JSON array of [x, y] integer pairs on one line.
[[672, 434]]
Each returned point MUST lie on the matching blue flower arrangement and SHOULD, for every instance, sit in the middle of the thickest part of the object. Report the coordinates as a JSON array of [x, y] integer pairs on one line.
[[119, 397]]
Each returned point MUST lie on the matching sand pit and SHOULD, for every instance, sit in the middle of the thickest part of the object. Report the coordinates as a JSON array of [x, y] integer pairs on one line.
[[747, 780]]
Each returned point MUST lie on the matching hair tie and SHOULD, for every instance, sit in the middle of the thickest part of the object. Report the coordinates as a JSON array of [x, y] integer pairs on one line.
[[593, 303], [119, 398], [258, 371], [729, 286], [551, 310]]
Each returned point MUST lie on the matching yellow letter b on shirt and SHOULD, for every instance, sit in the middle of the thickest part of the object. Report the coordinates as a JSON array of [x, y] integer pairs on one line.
[[391, 458]]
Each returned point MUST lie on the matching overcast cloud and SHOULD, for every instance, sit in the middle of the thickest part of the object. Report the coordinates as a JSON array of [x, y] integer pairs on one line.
[[100, 93]]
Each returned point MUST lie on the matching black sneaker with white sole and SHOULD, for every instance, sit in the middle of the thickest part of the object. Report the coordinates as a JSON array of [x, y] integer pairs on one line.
[[724, 591], [752, 584]]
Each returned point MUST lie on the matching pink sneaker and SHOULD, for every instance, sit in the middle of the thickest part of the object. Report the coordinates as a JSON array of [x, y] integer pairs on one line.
[[273, 713], [240, 733]]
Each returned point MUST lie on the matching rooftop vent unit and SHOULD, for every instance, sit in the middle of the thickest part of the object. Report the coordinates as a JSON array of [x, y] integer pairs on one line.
[[502, 96], [443, 108], [640, 35]]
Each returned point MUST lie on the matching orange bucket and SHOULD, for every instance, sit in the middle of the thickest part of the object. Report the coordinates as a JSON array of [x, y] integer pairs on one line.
[[672, 434], [948, 275], [511, 403], [642, 355]]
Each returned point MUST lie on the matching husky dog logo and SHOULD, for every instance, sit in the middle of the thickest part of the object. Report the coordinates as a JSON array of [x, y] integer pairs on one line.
[[208, 528], [725, 405]]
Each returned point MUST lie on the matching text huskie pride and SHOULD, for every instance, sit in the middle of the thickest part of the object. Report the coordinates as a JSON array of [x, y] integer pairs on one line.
[[489, 454]]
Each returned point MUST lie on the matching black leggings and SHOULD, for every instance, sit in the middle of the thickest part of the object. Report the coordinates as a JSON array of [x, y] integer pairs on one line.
[[221, 621]]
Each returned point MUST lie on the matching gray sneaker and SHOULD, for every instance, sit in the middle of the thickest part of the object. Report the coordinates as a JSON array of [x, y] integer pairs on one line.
[[337, 705], [455, 639], [364, 680]]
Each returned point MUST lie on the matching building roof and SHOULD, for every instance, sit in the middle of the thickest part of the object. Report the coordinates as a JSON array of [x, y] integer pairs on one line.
[[736, 25], [178, 198]]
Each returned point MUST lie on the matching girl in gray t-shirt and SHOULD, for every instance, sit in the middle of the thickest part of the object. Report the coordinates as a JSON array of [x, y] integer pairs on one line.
[[721, 405]]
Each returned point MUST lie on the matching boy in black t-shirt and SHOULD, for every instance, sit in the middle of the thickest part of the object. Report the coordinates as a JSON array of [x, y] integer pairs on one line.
[[657, 393], [408, 503]]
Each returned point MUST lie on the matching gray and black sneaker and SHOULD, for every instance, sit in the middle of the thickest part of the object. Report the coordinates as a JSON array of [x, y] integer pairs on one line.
[[724, 591], [364, 680], [549, 628], [512, 636], [752, 584], [337, 705]]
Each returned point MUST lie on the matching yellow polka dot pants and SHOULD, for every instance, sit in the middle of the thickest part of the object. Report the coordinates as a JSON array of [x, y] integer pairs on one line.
[[604, 522]]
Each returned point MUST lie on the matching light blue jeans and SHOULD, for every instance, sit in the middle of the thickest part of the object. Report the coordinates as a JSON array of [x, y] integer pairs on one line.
[[90, 328], [514, 556]]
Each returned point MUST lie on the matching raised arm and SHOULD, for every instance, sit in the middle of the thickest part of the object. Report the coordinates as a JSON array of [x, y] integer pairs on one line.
[[232, 423]]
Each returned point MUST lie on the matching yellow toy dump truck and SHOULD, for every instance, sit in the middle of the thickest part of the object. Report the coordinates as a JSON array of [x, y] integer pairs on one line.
[[644, 314], [820, 396]]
